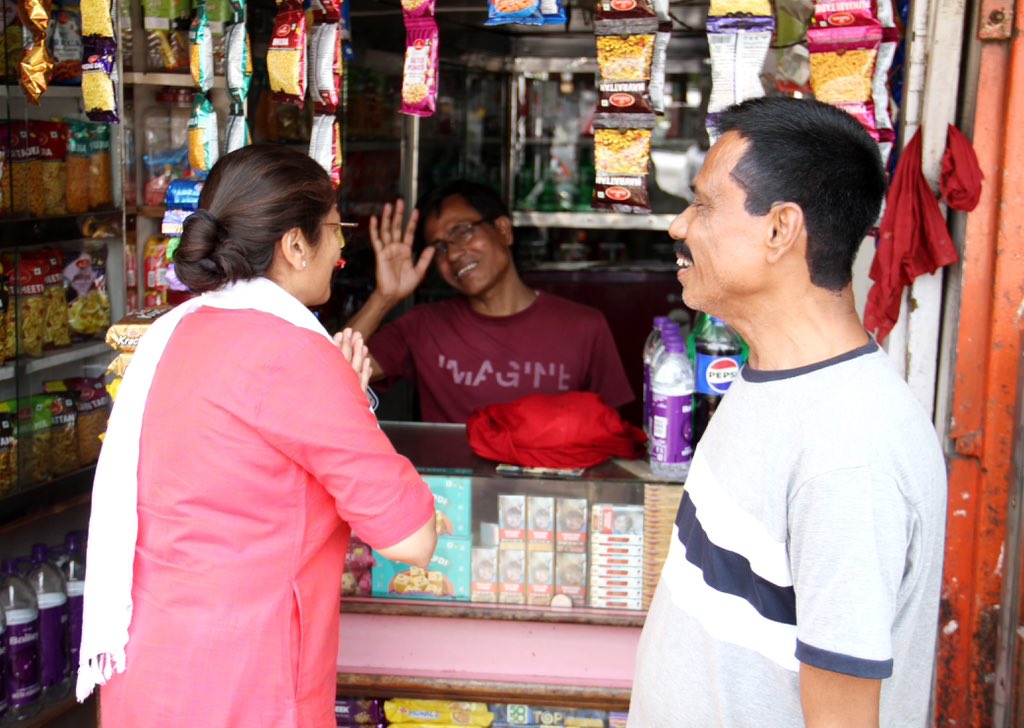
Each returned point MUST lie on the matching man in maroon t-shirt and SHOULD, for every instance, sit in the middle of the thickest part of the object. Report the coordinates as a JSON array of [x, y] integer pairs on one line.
[[497, 341]]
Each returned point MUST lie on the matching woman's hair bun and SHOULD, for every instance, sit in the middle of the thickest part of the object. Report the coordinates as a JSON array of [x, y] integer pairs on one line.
[[196, 261]]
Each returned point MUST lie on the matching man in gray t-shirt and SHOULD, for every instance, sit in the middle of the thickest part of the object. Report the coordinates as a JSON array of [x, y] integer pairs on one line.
[[803, 576]]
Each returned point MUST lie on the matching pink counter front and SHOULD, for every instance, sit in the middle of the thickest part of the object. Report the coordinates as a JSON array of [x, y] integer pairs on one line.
[[521, 657]]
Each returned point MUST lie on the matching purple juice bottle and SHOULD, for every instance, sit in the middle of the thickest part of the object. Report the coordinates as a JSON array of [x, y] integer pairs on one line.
[[21, 637], [52, 599]]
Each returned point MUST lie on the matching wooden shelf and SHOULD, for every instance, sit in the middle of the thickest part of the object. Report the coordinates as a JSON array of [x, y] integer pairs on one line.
[[25, 505], [181, 80], [77, 352], [502, 612]]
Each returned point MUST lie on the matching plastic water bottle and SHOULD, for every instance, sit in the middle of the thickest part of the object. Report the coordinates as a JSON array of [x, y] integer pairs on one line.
[[3, 665], [74, 576], [671, 412], [52, 598], [21, 611], [718, 353], [651, 346], [668, 332]]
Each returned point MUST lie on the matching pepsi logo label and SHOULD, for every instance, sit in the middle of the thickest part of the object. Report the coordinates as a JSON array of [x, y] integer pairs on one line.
[[720, 373]]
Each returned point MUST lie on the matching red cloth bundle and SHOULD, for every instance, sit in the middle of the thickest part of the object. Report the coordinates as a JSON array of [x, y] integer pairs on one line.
[[571, 430], [960, 180]]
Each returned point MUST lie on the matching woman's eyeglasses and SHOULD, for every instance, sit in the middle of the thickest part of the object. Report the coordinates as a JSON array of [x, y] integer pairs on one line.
[[458, 235], [339, 233]]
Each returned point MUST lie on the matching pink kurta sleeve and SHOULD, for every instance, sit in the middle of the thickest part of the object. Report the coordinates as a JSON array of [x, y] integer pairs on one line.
[[314, 411]]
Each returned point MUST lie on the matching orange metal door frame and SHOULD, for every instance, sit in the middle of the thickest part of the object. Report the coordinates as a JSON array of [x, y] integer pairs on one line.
[[985, 383]]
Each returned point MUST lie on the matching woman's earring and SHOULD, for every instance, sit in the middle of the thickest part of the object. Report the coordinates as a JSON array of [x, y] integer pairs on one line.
[[304, 264]]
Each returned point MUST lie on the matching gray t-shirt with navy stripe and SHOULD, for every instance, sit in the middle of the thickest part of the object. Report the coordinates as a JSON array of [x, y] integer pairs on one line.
[[811, 530]]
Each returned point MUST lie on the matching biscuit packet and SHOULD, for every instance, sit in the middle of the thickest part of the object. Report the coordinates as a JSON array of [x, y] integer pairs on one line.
[[124, 335], [99, 76], [419, 73], [53, 149], [92, 408], [520, 12], [7, 343], [614, 10], [200, 40], [286, 57], [66, 45], [203, 144]]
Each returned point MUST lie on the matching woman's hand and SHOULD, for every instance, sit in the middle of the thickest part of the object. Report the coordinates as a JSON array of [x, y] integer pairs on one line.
[[397, 275], [355, 352]]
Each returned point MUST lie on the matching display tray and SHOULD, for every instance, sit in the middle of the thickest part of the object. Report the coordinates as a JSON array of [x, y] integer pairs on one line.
[[507, 612]]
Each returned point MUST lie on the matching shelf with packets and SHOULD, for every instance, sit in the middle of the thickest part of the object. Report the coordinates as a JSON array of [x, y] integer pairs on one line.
[[53, 92], [592, 220], [77, 352], [552, 571], [182, 80]]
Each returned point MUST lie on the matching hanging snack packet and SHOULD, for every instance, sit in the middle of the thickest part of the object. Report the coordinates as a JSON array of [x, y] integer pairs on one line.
[[35, 16], [625, 66], [27, 278], [200, 41], [748, 8], [657, 85], [238, 8], [843, 63], [324, 86], [99, 72], [238, 61], [419, 74], [86, 308], [96, 19], [53, 137], [64, 428], [203, 144], [286, 58], [237, 132], [418, 8], [325, 146], [56, 331], [621, 163], [66, 44], [8, 449], [92, 406], [326, 11], [5, 178], [738, 49], [35, 417], [613, 10], [35, 69], [521, 12]]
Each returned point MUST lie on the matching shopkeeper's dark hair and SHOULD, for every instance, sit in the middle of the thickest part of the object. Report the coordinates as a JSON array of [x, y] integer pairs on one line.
[[485, 200], [252, 197], [822, 159]]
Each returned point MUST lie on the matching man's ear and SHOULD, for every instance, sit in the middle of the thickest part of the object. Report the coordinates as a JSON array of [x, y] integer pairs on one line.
[[504, 226], [293, 248], [788, 232]]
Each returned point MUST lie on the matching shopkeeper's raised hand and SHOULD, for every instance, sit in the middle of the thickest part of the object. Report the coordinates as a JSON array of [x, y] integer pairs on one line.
[[397, 274]]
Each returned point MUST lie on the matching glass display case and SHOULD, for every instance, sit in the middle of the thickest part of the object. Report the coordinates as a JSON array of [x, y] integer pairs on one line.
[[537, 589]]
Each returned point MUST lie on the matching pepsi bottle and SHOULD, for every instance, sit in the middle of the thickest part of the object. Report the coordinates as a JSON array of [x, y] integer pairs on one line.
[[719, 352]]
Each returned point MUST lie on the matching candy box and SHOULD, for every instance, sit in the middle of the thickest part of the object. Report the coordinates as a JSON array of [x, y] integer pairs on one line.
[[540, 523], [612, 519], [447, 576], [540, 577], [453, 503], [512, 521], [571, 576], [484, 579], [512, 576], [571, 524]]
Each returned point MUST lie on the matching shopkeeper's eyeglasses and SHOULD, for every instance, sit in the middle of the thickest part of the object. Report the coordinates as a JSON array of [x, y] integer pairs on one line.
[[339, 233], [458, 235]]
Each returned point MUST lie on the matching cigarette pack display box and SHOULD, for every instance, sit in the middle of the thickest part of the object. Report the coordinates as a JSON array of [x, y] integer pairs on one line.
[[615, 519], [512, 576], [636, 592], [540, 523], [447, 576], [512, 521], [616, 603], [571, 576], [623, 562], [453, 498], [616, 549], [571, 524], [540, 577], [484, 581], [600, 581]]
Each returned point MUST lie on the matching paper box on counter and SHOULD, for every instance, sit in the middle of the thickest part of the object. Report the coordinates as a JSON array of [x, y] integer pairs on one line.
[[453, 499], [571, 524], [447, 576], [571, 576], [512, 576], [540, 577], [540, 523], [512, 521], [614, 519], [484, 582]]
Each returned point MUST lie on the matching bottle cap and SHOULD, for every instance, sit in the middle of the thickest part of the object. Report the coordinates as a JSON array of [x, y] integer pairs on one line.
[[74, 540], [9, 567], [40, 553]]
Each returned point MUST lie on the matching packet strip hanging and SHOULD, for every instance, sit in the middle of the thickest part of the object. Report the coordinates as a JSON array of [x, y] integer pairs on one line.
[[419, 73], [324, 79], [66, 46], [750, 8], [203, 144], [623, 9], [286, 58], [738, 48], [96, 18], [200, 40], [236, 135], [621, 163], [99, 73], [238, 62], [418, 8], [520, 12], [843, 63], [325, 146], [35, 69]]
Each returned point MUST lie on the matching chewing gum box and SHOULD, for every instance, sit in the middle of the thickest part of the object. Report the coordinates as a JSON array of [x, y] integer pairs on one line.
[[571, 525], [540, 523]]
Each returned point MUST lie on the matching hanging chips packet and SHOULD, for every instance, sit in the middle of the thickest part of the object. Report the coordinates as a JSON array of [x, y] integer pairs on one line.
[[200, 40], [203, 144], [419, 74], [99, 73], [286, 57]]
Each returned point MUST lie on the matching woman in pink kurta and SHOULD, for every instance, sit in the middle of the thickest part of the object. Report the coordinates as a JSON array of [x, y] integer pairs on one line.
[[258, 456]]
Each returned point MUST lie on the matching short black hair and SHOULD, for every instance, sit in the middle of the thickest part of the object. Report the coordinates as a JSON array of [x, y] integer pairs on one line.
[[819, 157], [485, 200]]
